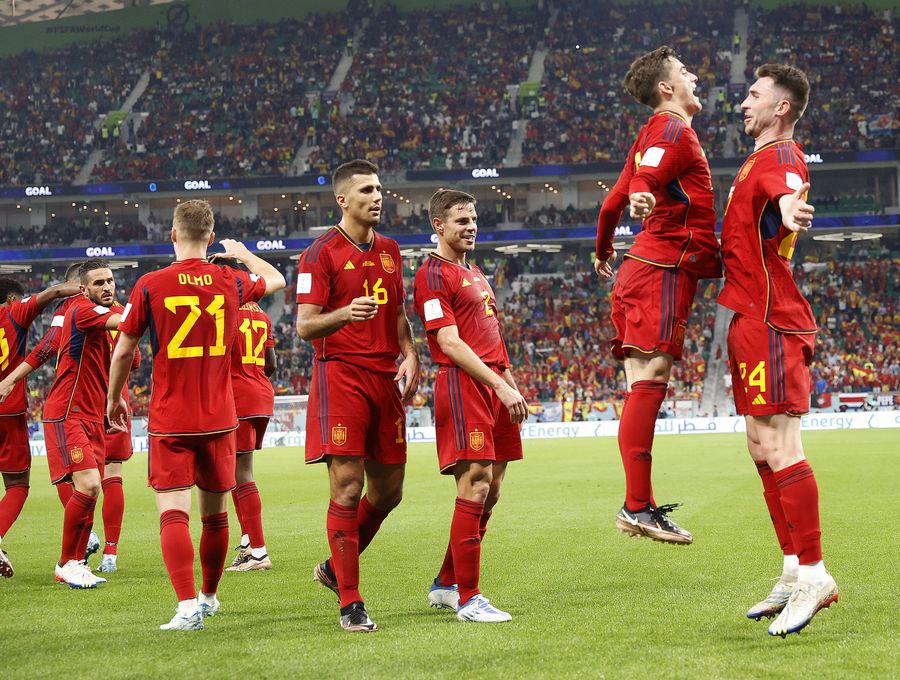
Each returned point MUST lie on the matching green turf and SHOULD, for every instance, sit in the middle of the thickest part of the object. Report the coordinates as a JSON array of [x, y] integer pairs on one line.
[[587, 601]]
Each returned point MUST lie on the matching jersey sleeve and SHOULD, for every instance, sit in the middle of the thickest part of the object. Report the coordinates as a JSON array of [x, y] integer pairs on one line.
[[667, 152], [92, 317], [49, 345], [25, 311], [313, 279], [136, 315], [251, 287], [611, 212], [433, 303]]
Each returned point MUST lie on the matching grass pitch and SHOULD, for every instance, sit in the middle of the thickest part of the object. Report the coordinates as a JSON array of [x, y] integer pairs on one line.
[[587, 602]]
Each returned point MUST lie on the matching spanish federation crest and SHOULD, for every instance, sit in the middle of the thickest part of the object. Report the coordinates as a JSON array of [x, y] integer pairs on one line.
[[339, 435], [76, 454], [387, 263], [746, 170], [476, 440]]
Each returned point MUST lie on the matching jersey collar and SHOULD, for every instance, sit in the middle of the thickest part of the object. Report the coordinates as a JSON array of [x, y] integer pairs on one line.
[[444, 259], [770, 144], [361, 247]]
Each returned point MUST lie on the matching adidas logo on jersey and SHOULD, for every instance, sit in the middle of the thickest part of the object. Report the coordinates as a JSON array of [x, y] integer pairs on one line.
[[465, 283], [759, 401], [349, 265]]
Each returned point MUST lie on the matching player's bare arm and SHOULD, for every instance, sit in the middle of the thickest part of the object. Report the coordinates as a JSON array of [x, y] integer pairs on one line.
[[312, 324], [60, 290], [462, 355], [20, 372], [271, 362], [796, 213], [641, 204], [235, 250], [119, 367], [408, 370]]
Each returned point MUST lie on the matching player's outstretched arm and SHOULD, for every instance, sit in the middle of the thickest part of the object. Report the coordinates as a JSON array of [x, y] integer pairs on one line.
[[236, 250], [20, 372], [312, 324], [796, 213], [462, 355], [607, 221], [119, 367], [408, 370], [60, 290]]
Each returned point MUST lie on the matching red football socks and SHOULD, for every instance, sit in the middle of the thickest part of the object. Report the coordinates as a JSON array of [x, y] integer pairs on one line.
[[369, 519], [800, 500], [342, 525], [636, 440], [447, 575], [465, 543], [178, 552], [78, 516], [64, 491], [113, 511], [773, 501], [248, 506], [11, 505], [213, 550]]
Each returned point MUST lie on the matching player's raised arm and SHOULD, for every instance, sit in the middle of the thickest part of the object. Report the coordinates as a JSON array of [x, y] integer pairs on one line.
[[60, 290], [796, 213], [236, 250]]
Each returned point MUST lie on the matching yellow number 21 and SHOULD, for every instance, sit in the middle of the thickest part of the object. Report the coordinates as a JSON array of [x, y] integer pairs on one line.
[[175, 349]]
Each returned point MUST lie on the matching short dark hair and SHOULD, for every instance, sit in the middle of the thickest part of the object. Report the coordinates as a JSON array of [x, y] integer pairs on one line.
[[72, 272], [355, 167], [791, 79], [10, 287], [444, 199], [645, 73], [90, 265], [194, 220]]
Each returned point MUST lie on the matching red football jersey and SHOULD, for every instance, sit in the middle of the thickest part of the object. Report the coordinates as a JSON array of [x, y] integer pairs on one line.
[[112, 336], [757, 247], [191, 311], [332, 272], [82, 370], [448, 294], [48, 347], [254, 395], [667, 161], [15, 319]]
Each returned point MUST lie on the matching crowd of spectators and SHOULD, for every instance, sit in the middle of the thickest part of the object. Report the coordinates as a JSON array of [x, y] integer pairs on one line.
[[428, 89], [230, 100], [582, 113], [850, 56]]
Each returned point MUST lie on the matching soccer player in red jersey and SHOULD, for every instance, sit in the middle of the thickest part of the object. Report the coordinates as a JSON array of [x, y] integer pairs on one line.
[[350, 304], [772, 335], [667, 184], [48, 348], [477, 405], [17, 313], [252, 362], [73, 414], [190, 310], [118, 450]]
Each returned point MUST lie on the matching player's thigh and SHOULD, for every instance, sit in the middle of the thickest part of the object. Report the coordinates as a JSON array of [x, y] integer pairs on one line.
[[15, 451], [216, 463], [386, 436], [465, 416], [346, 477], [338, 412], [11, 479]]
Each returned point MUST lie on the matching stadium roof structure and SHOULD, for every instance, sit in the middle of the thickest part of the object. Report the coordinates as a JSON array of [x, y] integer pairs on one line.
[[25, 11]]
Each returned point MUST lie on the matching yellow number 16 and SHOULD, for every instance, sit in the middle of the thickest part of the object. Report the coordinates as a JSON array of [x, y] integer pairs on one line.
[[378, 291], [175, 349]]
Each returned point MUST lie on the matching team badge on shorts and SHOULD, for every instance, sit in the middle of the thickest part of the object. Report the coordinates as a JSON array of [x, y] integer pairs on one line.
[[387, 263], [76, 454], [476, 440], [339, 435]]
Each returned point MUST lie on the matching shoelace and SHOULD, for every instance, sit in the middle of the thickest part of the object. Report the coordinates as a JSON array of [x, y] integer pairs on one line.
[[666, 509]]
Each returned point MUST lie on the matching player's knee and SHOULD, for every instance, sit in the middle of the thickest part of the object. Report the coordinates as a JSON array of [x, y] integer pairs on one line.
[[347, 493], [91, 489]]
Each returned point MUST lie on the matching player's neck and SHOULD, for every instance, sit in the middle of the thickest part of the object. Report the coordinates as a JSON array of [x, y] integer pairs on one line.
[[360, 233], [669, 107], [190, 251], [448, 253], [776, 133]]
